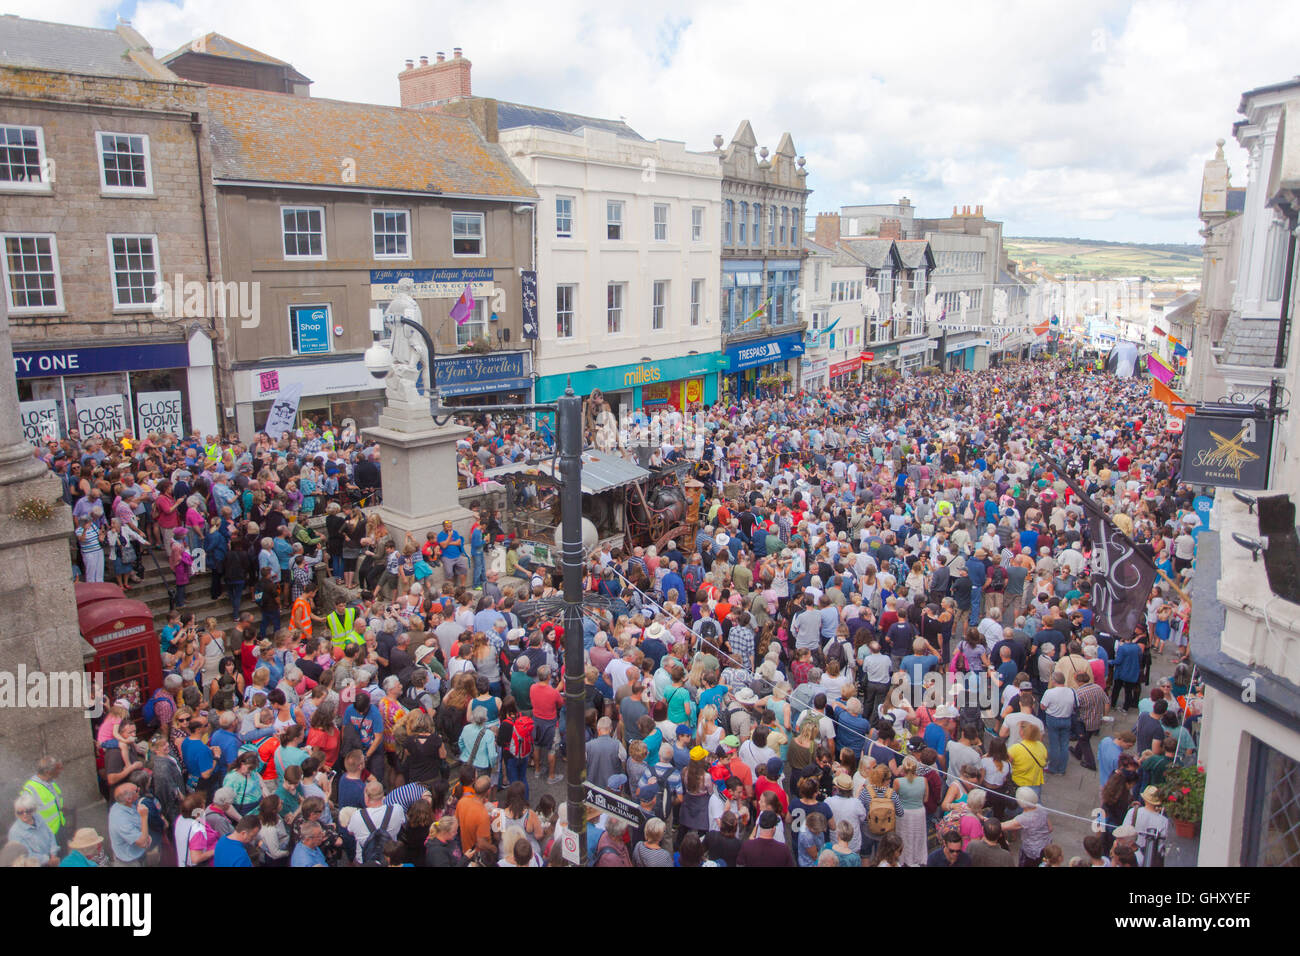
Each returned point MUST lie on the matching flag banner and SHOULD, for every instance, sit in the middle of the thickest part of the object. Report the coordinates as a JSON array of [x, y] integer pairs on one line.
[[755, 314], [1180, 349], [284, 411], [464, 307], [1163, 393], [1122, 575], [1174, 341], [1157, 330], [814, 336], [528, 283], [1042, 329], [1159, 369]]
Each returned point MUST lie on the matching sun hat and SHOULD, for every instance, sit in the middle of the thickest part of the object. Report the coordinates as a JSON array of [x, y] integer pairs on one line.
[[85, 839], [699, 753]]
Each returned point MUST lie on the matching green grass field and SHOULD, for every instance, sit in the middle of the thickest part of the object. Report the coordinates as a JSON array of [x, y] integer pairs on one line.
[[1105, 260]]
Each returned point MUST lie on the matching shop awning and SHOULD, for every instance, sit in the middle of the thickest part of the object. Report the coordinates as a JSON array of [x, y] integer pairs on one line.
[[600, 471]]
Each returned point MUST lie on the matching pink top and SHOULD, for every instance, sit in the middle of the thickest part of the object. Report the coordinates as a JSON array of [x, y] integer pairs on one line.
[[202, 839]]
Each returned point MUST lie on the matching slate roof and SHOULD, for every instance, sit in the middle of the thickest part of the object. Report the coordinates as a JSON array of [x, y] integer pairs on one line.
[[214, 44], [277, 138], [915, 253], [513, 115], [875, 253], [1249, 342], [73, 49]]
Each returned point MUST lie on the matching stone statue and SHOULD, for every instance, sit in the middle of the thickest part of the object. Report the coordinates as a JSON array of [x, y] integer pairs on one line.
[[410, 356]]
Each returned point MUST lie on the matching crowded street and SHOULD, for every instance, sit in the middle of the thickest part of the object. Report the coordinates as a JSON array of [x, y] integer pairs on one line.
[[877, 648]]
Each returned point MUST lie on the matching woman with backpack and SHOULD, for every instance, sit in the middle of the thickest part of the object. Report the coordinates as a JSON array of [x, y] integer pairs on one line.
[[515, 742], [244, 782], [912, 788]]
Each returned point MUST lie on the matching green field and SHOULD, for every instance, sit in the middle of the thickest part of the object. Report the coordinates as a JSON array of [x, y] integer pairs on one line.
[[1097, 259]]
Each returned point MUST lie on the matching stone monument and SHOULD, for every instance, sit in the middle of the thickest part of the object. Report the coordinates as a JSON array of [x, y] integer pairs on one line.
[[417, 457], [39, 633]]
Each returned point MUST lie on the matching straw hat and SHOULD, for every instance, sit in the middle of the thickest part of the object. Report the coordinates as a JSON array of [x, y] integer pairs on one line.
[[87, 838]]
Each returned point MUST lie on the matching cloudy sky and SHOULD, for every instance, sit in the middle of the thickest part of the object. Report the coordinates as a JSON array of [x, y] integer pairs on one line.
[[1086, 119]]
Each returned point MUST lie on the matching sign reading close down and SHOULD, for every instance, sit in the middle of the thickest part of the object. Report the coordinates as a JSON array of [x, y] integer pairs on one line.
[[1227, 450]]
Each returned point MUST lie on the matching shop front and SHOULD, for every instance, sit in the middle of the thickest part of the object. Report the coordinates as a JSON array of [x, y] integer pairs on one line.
[[812, 372], [669, 383], [329, 391], [763, 365], [846, 372], [116, 389], [912, 355]]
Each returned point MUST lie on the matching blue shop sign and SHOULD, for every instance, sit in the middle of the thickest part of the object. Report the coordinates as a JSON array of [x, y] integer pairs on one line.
[[479, 374], [753, 354], [311, 325], [43, 363]]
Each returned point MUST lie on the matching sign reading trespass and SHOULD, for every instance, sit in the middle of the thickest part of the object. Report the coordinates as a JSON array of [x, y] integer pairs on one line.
[[1228, 451]]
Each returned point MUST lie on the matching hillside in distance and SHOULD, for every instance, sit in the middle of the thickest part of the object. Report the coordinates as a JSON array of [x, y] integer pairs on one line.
[[1097, 258]]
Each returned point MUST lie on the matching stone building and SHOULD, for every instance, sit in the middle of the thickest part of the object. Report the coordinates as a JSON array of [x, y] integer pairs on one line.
[[763, 203], [109, 229], [324, 205]]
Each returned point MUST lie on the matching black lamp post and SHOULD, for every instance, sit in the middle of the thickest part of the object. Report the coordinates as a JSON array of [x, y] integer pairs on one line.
[[568, 421]]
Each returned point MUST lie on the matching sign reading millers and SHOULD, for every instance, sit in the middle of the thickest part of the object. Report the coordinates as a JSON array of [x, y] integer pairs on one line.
[[1228, 451]]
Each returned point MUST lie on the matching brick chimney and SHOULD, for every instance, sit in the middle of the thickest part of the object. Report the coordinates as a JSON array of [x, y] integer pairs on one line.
[[437, 82], [891, 229], [827, 230]]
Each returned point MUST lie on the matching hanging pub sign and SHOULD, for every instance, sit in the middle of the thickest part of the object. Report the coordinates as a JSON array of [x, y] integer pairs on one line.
[[1229, 451]]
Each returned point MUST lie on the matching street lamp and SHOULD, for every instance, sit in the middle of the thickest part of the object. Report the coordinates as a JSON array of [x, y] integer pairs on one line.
[[568, 420]]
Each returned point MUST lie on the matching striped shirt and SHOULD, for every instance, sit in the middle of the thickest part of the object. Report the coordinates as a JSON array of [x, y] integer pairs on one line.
[[89, 539], [406, 795], [1092, 705]]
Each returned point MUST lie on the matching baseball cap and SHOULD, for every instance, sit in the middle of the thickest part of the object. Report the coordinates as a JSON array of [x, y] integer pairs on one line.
[[731, 742], [683, 729], [647, 793], [774, 765]]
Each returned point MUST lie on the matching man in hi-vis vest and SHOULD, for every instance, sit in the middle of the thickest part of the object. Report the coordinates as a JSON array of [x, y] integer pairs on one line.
[[340, 623], [42, 786]]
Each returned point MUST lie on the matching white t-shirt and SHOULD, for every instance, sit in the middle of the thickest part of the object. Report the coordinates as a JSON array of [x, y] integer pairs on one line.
[[357, 825]]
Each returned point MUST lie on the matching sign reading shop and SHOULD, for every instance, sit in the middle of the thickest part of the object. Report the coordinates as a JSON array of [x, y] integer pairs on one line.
[[1227, 450]]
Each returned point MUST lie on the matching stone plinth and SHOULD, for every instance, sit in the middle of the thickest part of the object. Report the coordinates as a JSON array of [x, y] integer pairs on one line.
[[418, 465]]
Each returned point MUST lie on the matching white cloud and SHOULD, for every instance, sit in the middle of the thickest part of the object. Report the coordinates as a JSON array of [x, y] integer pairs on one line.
[[1090, 120]]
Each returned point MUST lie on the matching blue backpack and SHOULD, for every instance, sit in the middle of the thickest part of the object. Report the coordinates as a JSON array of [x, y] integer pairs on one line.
[[149, 712]]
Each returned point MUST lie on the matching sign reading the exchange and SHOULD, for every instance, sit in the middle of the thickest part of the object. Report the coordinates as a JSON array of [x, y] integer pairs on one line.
[[1226, 450], [614, 804]]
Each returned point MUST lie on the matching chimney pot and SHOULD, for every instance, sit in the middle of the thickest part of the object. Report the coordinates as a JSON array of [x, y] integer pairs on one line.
[[410, 64], [441, 56], [456, 52], [424, 61]]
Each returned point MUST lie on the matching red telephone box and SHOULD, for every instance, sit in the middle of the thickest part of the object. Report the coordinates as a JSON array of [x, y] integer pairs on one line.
[[126, 648], [88, 593]]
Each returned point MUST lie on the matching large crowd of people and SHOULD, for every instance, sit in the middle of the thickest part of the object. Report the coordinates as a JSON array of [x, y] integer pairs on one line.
[[875, 649]]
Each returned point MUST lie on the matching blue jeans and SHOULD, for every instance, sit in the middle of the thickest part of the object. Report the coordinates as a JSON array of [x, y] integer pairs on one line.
[[479, 561], [236, 596], [1058, 743], [976, 604], [272, 618], [516, 770], [336, 566]]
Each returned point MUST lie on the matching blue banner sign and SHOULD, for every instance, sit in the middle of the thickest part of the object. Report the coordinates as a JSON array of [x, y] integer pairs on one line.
[[311, 325], [43, 363], [764, 352], [479, 374]]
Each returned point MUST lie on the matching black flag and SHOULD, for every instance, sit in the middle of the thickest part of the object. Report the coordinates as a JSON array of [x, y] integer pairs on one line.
[[1123, 575]]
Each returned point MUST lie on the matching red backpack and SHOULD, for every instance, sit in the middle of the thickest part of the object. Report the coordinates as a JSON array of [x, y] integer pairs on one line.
[[521, 737]]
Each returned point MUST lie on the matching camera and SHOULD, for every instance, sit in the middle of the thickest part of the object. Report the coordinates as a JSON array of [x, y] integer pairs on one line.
[[379, 362]]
